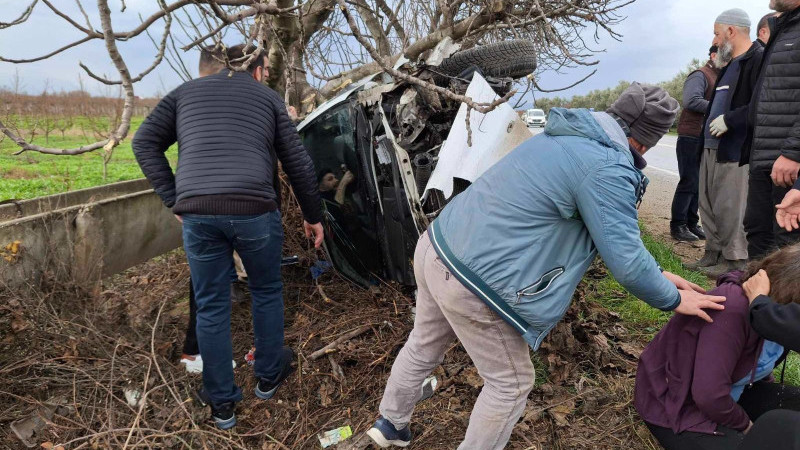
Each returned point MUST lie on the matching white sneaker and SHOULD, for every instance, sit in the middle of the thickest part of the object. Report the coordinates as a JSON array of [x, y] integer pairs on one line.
[[194, 363]]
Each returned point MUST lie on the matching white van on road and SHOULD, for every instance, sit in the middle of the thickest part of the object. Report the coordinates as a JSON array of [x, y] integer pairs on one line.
[[535, 118]]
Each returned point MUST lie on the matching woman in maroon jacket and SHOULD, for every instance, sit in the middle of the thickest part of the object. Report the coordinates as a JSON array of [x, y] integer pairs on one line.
[[692, 374]]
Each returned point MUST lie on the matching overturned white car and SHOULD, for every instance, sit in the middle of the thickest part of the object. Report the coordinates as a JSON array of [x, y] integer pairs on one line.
[[389, 154]]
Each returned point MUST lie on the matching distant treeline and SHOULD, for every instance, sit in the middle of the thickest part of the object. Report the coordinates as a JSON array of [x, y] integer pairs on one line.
[[601, 99]]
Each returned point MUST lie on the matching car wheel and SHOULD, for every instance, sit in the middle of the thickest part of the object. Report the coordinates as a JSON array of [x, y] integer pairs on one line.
[[513, 59]]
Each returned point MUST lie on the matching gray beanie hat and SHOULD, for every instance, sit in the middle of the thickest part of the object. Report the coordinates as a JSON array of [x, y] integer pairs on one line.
[[649, 111], [736, 17]]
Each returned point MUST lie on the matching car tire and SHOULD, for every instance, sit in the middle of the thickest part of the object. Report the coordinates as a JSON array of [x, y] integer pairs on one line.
[[512, 59]]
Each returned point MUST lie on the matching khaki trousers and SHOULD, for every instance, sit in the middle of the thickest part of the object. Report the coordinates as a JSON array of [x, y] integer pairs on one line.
[[446, 310], [723, 199]]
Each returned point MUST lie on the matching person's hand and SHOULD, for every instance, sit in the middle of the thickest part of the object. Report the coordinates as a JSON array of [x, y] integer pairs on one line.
[[347, 178], [314, 231], [693, 303], [682, 283], [180, 219], [718, 127], [292, 111], [784, 172], [788, 212], [756, 285]]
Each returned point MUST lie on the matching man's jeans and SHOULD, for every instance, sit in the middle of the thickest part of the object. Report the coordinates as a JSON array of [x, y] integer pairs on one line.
[[447, 310], [685, 201], [209, 242]]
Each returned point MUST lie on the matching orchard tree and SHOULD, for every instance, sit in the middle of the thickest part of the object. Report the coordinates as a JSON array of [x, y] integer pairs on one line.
[[317, 47]]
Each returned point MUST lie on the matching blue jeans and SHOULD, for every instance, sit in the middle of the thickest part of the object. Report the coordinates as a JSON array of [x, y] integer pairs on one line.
[[209, 242]]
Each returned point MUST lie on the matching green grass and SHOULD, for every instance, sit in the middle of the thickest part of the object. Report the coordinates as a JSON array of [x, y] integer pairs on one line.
[[608, 292], [647, 320], [34, 174]]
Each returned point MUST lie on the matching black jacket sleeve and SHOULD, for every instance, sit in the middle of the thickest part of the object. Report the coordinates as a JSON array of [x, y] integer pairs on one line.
[[736, 119], [297, 164], [776, 322], [152, 139]]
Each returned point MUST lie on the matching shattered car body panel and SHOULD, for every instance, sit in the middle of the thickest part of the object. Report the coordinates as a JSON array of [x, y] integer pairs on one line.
[[381, 144], [492, 136]]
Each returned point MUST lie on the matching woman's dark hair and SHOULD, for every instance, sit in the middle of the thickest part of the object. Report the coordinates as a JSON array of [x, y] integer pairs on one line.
[[783, 270]]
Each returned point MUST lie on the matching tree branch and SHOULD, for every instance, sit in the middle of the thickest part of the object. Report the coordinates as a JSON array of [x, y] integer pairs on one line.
[[480, 107], [540, 89], [50, 151], [53, 53], [22, 18], [94, 34], [160, 56]]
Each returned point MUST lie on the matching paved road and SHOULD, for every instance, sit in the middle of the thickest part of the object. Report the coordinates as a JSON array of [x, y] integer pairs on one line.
[[660, 158]]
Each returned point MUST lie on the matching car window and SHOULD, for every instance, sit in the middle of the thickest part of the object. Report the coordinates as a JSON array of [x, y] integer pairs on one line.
[[330, 141], [350, 236]]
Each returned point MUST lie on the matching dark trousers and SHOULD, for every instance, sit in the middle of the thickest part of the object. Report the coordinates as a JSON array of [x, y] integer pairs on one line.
[[756, 400], [776, 430], [685, 203], [763, 233], [209, 242]]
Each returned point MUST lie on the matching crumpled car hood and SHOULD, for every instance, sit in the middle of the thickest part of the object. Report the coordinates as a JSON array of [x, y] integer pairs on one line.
[[494, 135]]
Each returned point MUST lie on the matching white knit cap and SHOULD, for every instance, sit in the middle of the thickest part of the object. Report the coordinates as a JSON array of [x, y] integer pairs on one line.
[[736, 17]]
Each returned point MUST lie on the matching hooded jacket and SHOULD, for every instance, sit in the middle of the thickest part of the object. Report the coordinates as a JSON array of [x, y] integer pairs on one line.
[[685, 374], [522, 236]]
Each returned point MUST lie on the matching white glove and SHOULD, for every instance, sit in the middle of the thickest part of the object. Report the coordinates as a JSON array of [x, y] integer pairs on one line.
[[717, 127]]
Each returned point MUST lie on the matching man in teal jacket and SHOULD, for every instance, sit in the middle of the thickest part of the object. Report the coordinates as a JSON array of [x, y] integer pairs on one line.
[[499, 266]]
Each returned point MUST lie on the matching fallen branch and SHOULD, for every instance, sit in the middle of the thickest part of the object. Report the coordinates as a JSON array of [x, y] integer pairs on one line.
[[338, 373], [330, 348]]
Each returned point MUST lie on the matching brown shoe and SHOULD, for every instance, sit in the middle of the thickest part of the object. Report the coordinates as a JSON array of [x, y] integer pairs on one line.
[[711, 258], [727, 265]]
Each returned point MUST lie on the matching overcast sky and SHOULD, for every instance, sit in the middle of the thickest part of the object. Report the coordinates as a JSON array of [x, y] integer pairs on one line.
[[660, 37]]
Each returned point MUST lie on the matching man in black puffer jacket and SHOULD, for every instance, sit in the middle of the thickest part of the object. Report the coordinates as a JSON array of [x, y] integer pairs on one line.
[[230, 129], [774, 157]]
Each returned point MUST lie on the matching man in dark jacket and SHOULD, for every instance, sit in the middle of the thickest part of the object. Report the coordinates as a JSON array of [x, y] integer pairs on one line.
[[230, 128], [697, 91], [763, 31], [774, 153], [723, 184]]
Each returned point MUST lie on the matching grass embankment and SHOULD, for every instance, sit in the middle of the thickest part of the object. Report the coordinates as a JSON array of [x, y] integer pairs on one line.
[[608, 292], [34, 174]]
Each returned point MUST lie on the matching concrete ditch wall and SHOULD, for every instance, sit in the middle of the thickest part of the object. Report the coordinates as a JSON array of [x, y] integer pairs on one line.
[[83, 235]]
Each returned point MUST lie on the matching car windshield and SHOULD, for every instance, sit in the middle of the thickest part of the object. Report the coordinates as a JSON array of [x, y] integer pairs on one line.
[[537, 113]]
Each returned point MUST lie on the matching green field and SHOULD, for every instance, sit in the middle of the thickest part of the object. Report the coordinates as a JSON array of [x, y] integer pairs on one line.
[[32, 174]]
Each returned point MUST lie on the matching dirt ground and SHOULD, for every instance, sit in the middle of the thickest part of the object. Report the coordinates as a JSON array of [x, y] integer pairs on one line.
[[82, 353], [70, 357]]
